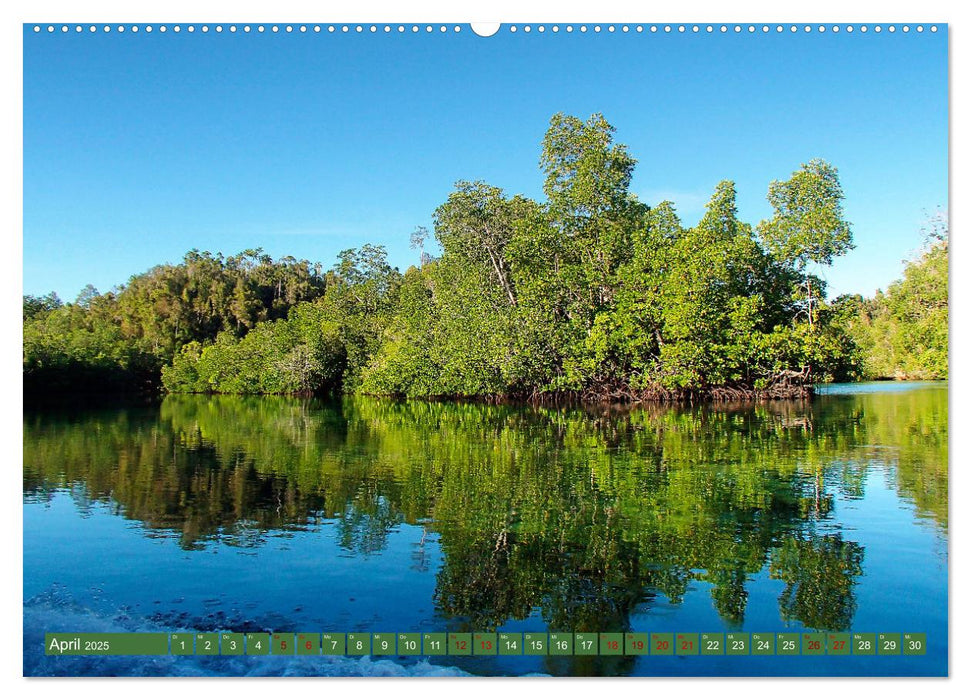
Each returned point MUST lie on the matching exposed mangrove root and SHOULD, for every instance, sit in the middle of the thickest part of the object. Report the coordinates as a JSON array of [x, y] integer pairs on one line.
[[785, 385]]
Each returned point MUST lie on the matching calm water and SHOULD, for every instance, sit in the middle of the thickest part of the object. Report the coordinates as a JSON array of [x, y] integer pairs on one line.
[[251, 514]]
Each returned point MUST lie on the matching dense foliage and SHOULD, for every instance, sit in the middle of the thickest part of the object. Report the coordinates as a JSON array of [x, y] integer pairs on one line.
[[122, 339], [590, 293], [903, 332]]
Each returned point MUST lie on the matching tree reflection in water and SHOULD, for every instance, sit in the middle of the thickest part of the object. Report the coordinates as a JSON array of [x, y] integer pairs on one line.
[[583, 515]]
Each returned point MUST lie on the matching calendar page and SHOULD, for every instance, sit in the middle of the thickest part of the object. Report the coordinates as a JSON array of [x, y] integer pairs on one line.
[[515, 349]]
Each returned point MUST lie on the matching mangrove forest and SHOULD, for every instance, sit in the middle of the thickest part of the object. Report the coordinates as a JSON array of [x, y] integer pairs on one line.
[[590, 294]]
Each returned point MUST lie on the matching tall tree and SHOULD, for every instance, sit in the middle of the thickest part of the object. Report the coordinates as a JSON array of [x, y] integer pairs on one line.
[[808, 225], [587, 174], [476, 224]]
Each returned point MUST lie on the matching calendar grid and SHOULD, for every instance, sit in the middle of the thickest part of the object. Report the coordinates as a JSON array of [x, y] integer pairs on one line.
[[487, 644]]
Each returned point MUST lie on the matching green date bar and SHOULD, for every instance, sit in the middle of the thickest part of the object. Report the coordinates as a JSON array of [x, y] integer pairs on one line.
[[484, 643], [106, 644]]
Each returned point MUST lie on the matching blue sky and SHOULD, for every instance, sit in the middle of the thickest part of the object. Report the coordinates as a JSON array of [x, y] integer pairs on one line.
[[139, 147]]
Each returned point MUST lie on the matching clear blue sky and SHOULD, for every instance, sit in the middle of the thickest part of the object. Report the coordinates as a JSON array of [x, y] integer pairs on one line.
[[139, 147]]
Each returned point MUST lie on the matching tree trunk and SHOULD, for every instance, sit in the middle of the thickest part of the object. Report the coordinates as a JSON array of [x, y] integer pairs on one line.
[[502, 278]]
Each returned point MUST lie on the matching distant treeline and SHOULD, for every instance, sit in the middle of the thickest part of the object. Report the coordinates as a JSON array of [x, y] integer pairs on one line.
[[902, 333], [122, 339], [591, 293]]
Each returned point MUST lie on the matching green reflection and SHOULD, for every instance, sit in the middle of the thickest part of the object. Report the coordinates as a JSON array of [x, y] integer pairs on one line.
[[581, 515]]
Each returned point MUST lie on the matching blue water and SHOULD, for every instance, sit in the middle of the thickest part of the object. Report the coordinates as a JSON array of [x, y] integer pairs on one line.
[[358, 537], [851, 388]]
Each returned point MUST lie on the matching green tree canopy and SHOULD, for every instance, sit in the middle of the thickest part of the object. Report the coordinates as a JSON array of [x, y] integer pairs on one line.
[[808, 224]]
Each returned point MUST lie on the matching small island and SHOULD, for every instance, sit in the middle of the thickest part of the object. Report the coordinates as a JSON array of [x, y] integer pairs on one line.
[[590, 295]]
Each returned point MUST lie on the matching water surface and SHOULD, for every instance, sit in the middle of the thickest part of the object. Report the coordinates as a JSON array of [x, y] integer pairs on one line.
[[252, 514]]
